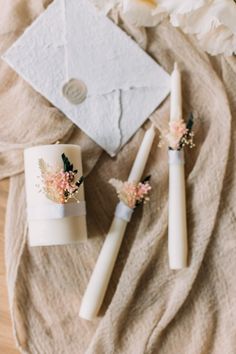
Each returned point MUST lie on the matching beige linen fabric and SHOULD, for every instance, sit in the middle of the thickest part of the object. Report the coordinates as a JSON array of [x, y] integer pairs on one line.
[[148, 308]]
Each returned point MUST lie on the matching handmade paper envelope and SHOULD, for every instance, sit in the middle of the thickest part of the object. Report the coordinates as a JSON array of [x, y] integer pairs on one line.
[[120, 84]]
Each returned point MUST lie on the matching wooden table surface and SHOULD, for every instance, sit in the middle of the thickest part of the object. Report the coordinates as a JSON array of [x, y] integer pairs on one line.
[[7, 344]]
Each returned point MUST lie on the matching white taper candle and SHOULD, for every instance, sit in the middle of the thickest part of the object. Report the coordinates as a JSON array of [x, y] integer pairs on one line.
[[97, 286], [176, 95], [177, 223]]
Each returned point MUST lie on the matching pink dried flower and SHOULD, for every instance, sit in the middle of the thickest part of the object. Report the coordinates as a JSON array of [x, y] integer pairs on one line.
[[179, 134], [177, 129], [131, 193], [58, 185]]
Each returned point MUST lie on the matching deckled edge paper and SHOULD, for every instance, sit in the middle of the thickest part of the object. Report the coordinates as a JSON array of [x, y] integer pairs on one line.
[[109, 118]]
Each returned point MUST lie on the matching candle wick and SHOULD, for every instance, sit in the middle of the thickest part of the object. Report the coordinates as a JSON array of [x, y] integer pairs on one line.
[[176, 66], [153, 127]]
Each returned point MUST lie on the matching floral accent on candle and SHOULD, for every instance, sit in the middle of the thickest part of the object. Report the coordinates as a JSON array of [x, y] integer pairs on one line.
[[179, 134], [60, 185], [177, 129], [131, 193]]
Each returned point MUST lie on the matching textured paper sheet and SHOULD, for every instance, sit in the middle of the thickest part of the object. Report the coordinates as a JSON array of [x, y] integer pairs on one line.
[[71, 39]]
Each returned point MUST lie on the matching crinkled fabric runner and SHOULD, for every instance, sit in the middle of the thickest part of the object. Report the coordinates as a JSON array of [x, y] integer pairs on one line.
[[148, 308]]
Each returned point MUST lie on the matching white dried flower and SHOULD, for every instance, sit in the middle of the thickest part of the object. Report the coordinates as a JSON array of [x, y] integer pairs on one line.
[[212, 22]]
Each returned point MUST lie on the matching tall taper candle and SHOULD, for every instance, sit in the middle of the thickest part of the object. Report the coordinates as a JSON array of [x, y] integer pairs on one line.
[[177, 225], [99, 280], [176, 94]]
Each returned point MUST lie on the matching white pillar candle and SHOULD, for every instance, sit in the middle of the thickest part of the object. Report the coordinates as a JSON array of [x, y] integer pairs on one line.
[[99, 280], [177, 223], [48, 223]]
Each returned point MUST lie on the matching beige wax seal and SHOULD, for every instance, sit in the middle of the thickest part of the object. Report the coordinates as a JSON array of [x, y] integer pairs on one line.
[[75, 91]]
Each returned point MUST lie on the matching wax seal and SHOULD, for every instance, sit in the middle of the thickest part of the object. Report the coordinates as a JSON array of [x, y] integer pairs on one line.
[[75, 91]]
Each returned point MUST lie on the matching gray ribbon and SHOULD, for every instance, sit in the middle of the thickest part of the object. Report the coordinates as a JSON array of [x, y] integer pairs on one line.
[[123, 212], [56, 211], [176, 157]]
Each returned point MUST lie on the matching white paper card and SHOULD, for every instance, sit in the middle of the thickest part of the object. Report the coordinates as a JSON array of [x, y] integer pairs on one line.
[[72, 40]]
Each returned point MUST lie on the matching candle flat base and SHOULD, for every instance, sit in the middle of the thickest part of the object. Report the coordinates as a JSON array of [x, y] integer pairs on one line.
[[178, 265], [85, 314]]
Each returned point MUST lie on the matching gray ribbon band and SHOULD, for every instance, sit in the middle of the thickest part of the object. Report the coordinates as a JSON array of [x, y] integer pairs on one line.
[[123, 212], [176, 157]]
